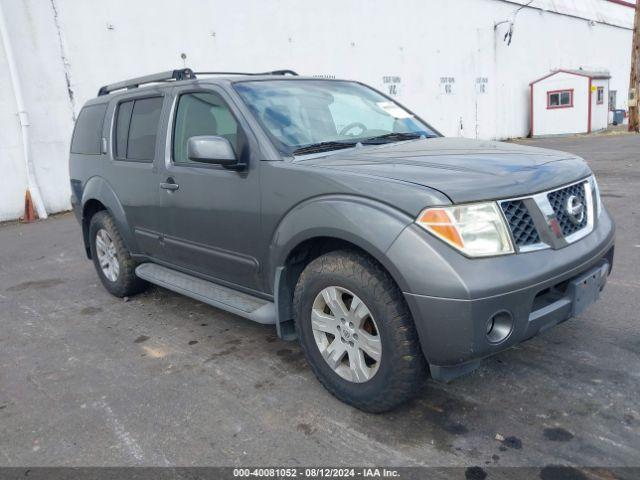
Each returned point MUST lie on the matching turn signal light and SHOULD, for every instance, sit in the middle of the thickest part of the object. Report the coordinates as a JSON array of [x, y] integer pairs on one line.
[[437, 220]]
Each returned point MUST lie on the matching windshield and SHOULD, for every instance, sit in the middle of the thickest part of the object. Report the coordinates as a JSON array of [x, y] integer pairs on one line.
[[308, 116]]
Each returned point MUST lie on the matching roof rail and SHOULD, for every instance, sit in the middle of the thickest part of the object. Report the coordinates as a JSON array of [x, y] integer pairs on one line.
[[170, 75], [273, 72], [175, 75]]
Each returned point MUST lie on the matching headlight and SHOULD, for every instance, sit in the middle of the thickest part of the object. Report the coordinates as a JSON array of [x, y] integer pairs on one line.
[[596, 194], [477, 230]]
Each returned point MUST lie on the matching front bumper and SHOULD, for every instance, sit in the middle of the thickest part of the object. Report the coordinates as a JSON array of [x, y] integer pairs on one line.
[[535, 289]]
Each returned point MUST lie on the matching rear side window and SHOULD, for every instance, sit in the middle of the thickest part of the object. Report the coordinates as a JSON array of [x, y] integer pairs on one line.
[[87, 135], [136, 129]]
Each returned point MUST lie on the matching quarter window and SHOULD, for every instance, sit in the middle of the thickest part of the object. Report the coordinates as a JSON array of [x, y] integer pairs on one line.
[[87, 135], [202, 113], [136, 129], [560, 99]]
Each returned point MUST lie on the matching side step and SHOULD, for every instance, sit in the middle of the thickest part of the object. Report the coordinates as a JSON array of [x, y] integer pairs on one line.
[[224, 298]]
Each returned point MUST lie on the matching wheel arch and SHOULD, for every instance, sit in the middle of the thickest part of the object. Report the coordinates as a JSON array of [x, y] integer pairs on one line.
[[325, 225], [97, 196]]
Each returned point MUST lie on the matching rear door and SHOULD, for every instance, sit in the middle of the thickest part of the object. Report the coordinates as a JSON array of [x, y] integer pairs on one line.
[[211, 219], [136, 152]]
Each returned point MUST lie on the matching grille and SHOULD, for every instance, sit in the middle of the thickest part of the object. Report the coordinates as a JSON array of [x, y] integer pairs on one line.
[[520, 222], [558, 200]]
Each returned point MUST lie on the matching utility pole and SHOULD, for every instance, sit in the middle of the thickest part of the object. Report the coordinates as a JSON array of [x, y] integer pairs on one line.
[[634, 84]]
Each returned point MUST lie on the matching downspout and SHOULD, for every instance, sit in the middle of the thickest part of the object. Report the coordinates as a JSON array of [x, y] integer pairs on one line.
[[531, 113], [32, 185]]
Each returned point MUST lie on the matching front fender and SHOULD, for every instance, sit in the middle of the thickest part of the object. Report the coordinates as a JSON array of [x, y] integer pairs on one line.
[[371, 225], [97, 188]]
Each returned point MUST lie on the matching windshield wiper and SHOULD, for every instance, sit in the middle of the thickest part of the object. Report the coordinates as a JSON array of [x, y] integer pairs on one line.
[[392, 137], [378, 140], [323, 147]]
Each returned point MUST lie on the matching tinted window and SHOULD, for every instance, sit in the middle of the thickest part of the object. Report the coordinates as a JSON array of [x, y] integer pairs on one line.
[[88, 132], [143, 129], [202, 114], [122, 128]]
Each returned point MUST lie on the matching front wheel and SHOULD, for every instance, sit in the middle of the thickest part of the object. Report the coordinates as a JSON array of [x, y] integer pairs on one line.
[[357, 332]]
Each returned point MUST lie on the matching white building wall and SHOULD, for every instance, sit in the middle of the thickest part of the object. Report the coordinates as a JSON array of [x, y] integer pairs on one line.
[[11, 159], [425, 44], [36, 49]]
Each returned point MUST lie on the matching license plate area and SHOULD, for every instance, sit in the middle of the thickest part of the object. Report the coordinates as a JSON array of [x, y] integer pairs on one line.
[[586, 288]]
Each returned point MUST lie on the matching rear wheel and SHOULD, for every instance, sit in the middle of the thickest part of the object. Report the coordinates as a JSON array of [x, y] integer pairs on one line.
[[357, 333], [112, 260]]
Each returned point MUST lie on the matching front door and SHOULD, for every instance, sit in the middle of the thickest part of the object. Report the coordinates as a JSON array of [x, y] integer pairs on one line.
[[210, 214]]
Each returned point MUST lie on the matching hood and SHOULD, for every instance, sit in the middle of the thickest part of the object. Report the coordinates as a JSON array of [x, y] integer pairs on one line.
[[464, 170]]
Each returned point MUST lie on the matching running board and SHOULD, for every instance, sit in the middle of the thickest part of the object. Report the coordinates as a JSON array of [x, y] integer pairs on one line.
[[224, 298]]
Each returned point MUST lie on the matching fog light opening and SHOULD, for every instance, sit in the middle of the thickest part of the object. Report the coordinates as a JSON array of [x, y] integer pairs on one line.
[[499, 326]]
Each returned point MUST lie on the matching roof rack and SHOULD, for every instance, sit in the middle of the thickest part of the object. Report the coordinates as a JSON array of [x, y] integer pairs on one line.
[[273, 72], [176, 75], [170, 75]]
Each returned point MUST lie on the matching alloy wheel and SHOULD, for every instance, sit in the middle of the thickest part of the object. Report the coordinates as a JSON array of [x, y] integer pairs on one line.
[[106, 252], [346, 334]]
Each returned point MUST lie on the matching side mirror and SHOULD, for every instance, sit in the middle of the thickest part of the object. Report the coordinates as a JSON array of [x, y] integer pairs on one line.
[[211, 149]]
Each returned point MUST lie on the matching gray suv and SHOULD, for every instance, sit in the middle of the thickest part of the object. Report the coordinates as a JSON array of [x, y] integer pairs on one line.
[[338, 215]]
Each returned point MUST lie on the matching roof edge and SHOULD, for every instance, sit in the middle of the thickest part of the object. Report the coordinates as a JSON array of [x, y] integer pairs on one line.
[[579, 73]]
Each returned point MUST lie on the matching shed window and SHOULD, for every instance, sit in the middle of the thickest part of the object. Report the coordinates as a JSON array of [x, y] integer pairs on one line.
[[560, 99], [600, 95]]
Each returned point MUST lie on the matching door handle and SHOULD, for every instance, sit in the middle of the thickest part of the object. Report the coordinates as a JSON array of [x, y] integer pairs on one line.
[[170, 184]]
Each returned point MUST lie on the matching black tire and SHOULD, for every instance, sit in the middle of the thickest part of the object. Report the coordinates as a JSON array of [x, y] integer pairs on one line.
[[126, 283], [402, 368]]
